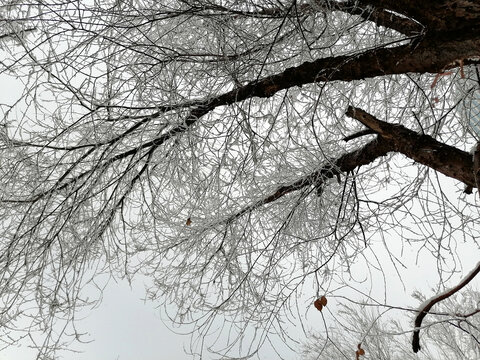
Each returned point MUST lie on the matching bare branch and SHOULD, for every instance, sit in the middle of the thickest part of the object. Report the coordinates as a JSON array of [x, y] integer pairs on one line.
[[358, 134], [15, 34], [345, 163], [424, 149]]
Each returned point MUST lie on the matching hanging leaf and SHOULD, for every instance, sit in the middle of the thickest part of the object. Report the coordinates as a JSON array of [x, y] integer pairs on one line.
[[320, 303], [359, 352]]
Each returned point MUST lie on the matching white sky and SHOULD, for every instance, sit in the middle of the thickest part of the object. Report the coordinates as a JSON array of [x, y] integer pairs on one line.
[[123, 327]]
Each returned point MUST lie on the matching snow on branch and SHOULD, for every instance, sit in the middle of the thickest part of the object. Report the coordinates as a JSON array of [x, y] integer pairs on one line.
[[427, 305]]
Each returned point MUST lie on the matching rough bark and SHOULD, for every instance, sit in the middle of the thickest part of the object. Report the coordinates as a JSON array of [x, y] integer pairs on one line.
[[421, 148], [429, 58], [424, 149]]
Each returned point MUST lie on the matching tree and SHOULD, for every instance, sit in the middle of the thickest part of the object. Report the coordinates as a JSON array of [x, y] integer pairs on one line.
[[248, 157]]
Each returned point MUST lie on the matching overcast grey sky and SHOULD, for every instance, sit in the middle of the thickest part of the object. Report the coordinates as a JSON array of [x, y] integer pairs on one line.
[[123, 327]]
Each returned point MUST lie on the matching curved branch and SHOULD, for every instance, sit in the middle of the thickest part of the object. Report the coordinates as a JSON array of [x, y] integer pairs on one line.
[[429, 304], [424, 149]]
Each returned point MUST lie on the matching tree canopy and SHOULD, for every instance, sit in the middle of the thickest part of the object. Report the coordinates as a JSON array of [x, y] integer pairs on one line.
[[257, 160]]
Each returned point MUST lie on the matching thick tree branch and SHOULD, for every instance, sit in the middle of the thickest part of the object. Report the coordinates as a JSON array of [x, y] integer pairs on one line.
[[428, 305], [371, 63], [345, 163], [476, 165], [424, 149], [431, 57]]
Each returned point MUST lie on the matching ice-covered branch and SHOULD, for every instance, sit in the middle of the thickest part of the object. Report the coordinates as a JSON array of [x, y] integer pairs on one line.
[[427, 305], [345, 163]]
